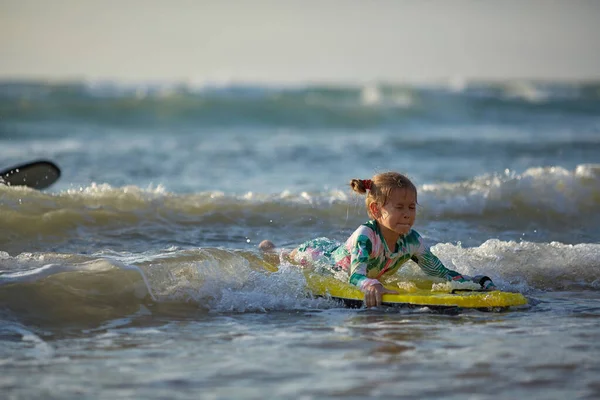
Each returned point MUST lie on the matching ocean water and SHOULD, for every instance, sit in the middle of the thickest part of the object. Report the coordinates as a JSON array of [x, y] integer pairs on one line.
[[137, 275]]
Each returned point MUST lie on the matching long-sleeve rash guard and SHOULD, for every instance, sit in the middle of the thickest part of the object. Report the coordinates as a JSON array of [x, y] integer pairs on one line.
[[366, 256]]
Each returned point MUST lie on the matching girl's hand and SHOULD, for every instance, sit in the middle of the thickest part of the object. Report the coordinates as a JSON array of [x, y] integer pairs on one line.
[[373, 294], [485, 282]]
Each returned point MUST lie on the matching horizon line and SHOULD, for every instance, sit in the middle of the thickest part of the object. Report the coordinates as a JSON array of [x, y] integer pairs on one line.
[[445, 81]]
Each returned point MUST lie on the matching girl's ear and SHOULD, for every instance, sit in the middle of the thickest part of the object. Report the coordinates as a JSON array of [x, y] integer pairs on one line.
[[374, 208]]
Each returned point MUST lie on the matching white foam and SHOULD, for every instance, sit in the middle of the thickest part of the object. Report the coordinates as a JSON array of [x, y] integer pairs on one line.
[[36, 274], [372, 95], [521, 266], [40, 349], [549, 188], [526, 91]]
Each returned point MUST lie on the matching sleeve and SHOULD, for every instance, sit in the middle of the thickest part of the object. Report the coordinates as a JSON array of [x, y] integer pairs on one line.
[[360, 253], [432, 265]]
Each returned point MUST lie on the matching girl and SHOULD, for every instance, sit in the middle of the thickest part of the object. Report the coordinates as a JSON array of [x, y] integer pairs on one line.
[[380, 246]]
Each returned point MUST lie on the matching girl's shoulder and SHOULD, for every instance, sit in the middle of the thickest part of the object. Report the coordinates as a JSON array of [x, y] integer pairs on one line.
[[369, 227], [367, 230], [370, 224]]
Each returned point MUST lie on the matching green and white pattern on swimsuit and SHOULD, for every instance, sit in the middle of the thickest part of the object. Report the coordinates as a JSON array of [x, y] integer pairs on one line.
[[365, 255]]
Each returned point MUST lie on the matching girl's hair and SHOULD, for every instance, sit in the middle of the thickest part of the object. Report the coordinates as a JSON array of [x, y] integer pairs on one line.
[[379, 188]]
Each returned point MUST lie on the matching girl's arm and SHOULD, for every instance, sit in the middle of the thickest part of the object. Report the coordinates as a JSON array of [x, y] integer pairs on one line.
[[429, 263], [360, 255], [432, 265]]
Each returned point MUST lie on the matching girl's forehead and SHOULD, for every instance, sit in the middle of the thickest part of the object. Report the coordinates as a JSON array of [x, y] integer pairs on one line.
[[403, 195]]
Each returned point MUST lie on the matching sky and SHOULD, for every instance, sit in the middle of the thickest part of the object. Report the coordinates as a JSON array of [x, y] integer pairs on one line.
[[299, 41]]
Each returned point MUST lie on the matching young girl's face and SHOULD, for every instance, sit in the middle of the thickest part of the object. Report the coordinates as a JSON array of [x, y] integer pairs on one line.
[[399, 212]]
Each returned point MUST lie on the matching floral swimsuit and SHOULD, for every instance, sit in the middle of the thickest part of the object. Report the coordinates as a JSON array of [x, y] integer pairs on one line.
[[366, 257]]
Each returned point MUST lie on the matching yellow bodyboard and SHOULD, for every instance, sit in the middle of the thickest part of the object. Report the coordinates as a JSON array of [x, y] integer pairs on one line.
[[329, 286]]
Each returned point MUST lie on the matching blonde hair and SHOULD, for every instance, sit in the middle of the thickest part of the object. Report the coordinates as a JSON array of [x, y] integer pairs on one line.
[[380, 187]]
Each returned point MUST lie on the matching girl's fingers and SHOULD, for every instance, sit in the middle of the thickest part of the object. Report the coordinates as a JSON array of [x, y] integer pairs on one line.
[[373, 295]]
